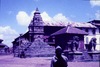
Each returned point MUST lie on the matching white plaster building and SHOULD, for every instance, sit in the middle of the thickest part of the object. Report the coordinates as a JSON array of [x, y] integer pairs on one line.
[[93, 29]]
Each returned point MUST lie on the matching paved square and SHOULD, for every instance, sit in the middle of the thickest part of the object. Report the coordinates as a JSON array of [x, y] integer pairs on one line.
[[10, 61]]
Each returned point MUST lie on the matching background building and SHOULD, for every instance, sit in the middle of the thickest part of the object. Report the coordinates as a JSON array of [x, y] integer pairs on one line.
[[93, 30], [4, 49], [34, 42], [39, 39]]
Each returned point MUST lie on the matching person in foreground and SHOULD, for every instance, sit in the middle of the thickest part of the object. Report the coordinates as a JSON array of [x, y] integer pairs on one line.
[[59, 60]]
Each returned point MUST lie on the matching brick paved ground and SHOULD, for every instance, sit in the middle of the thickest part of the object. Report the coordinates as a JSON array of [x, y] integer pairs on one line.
[[10, 61]]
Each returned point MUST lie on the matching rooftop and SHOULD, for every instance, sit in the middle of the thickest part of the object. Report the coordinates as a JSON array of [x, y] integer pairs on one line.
[[73, 24], [69, 30], [85, 25]]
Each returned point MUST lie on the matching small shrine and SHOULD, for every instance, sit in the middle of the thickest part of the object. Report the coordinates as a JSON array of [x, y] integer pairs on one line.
[[4, 49]]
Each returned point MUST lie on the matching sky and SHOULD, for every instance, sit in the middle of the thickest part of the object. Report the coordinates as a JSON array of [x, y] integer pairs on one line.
[[15, 15]]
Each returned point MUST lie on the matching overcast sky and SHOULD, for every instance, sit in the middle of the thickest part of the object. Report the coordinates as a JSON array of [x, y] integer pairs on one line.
[[15, 15]]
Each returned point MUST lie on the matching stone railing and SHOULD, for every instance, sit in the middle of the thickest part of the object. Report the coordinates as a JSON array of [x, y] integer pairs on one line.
[[83, 56]]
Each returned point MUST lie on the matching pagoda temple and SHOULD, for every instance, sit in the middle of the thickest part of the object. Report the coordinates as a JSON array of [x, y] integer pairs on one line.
[[33, 42]]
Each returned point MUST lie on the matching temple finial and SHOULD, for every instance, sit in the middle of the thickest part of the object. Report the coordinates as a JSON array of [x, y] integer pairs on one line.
[[37, 9]]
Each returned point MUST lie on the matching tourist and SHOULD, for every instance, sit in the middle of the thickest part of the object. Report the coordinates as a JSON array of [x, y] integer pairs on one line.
[[59, 60]]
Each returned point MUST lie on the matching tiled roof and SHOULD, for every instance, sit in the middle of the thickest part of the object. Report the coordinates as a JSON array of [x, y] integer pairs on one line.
[[84, 25], [1, 44], [74, 24], [94, 21], [56, 23], [69, 30]]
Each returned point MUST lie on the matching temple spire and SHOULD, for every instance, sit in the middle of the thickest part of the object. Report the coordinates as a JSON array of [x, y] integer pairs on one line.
[[37, 9]]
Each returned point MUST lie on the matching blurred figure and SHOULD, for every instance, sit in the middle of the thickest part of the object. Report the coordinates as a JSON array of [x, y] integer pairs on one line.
[[59, 60], [22, 55]]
